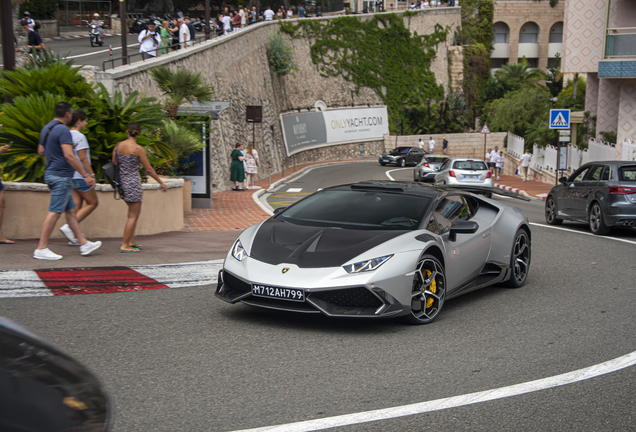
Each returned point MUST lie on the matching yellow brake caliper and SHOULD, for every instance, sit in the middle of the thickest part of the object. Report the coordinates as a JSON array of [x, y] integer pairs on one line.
[[433, 289]]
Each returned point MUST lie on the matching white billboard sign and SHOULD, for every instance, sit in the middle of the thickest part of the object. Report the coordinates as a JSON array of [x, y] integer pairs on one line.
[[305, 131]]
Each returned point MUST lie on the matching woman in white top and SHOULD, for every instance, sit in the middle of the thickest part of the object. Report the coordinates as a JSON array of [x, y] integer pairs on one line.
[[84, 196], [251, 165]]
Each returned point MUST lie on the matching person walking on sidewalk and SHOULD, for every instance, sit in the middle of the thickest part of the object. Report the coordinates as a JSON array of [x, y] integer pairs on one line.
[[3, 239], [493, 161], [444, 145], [499, 161], [82, 193], [431, 145], [127, 155], [251, 165], [525, 164], [56, 144], [237, 170]]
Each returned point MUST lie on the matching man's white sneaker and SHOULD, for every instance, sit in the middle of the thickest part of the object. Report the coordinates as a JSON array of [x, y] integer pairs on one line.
[[89, 247], [46, 254], [68, 233]]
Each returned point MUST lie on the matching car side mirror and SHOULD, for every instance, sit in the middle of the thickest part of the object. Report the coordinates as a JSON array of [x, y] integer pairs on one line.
[[462, 227], [279, 209], [563, 180]]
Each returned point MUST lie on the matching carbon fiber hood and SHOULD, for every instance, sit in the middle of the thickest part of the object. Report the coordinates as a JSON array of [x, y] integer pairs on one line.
[[279, 242]]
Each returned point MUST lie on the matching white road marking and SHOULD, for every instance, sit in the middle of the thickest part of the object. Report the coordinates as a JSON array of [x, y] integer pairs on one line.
[[294, 189], [22, 283], [390, 171], [610, 366], [99, 52], [183, 275], [583, 233]]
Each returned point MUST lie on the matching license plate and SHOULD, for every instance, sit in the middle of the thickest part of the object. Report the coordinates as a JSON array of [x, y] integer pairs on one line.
[[384, 160], [278, 293]]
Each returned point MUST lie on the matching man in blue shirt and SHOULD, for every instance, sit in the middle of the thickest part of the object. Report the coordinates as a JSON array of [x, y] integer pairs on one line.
[[301, 12], [56, 144]]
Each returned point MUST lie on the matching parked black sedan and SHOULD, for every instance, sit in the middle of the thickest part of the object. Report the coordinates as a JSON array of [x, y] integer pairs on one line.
[[402, 156], [601, 193]]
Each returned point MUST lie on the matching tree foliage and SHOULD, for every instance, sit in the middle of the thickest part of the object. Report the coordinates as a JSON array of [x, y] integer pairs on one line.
[[379, 53], [517, 110], [180, 86], [280, 57]]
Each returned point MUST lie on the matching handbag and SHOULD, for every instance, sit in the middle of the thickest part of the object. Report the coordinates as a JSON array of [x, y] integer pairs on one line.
[[111, 171]]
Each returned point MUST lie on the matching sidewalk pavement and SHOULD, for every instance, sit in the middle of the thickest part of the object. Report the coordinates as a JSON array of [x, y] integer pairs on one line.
[[530, 188]]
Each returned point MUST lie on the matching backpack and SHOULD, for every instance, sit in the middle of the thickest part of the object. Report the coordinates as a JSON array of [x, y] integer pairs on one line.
[[111, 171], [37, 25]]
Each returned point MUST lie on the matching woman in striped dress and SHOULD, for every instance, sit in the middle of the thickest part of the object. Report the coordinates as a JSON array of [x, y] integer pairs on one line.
[[127, 155]]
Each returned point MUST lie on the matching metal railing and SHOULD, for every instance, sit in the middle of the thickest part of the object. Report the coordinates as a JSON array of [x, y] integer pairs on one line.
[[172, 47]]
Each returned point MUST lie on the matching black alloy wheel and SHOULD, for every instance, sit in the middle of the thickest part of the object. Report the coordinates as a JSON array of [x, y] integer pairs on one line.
[[597, 222], [551, 212], [428, 292], [520, 260], [402, 163]]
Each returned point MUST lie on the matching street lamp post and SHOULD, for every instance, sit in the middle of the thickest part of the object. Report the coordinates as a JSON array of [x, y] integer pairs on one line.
[[124, 31], [8, 49]]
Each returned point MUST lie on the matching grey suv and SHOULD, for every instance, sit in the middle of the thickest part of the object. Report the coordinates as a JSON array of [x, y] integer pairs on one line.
[[601, 194], [425, 170]]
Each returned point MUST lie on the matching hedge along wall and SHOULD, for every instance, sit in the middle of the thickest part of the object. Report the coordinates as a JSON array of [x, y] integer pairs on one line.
[[237, 66]]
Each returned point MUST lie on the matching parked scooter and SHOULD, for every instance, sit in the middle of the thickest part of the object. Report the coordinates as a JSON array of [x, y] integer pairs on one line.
[[94, 35], [138, 25]]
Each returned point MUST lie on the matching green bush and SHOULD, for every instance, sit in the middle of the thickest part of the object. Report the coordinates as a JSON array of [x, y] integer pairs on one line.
[[280, 57], [40, 8]]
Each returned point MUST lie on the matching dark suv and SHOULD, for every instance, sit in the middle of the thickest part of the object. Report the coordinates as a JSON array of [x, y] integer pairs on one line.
[[402, 156], [601, 193]]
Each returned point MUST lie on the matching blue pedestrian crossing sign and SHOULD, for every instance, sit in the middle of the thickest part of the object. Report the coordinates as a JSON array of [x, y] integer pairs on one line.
[[560, 119]]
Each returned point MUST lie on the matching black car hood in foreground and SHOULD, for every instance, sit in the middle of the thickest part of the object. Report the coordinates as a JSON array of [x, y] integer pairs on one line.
[[278, 242]]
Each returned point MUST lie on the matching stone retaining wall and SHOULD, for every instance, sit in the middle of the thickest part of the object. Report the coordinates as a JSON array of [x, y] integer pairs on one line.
[[27, 205], [459, 145], [236, 65]]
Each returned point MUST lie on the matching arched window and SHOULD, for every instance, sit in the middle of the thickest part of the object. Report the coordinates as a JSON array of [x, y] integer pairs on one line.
[[556, 33], [501, 31], [529, 33]]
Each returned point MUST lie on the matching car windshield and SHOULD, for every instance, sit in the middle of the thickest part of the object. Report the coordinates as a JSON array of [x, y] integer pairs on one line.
[[470, 165], [353, 209], [399, 151], [627, 173], [435, 159]]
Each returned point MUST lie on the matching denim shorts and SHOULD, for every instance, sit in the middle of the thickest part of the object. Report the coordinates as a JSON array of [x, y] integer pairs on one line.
[[61, 193], [80, 185]]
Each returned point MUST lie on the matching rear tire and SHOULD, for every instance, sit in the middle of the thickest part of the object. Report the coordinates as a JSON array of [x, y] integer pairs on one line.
[[428, 291], [597, 222], [551, 212]]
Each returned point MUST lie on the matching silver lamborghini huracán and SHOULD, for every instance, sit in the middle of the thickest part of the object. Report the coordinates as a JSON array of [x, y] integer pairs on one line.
[[378, 249]]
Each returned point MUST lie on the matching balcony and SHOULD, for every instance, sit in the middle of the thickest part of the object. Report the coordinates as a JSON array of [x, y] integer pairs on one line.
[[502, 50], [620, 45], [529, 50], [554, 49]]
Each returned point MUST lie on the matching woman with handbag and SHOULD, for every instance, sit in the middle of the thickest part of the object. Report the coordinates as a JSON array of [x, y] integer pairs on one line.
[[128, 155]]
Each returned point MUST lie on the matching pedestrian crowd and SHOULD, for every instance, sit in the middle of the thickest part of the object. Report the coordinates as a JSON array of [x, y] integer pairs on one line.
[[71, 180], [244, 166], [426, 4]]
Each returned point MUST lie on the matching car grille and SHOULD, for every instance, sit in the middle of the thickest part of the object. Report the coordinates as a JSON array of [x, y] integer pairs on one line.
[[236, 285], [359, 297]]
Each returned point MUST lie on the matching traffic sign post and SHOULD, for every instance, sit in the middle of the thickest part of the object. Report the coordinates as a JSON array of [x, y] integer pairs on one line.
[[562, 151], [485, 130]]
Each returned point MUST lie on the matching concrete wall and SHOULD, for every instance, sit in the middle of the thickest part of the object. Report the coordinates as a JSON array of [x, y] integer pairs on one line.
[[583, 35], [27, 205], [236, 65], [459, 145], [48, 28]]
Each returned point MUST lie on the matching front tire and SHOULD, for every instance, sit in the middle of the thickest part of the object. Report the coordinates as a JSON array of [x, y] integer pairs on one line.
[[428, 291], [520, 259], [597, 222], [92, 42], [551, 212], [402, 163], [382, 163]]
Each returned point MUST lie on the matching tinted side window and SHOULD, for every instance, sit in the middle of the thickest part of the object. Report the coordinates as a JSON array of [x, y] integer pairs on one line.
[[595, 173], [578, 175], [606, 174], [627, 173], [449, 210]]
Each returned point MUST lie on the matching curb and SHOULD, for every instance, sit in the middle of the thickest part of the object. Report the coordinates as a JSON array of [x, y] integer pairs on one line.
[[511, 189]]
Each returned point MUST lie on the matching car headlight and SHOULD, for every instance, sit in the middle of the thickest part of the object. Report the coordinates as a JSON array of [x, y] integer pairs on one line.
[[238, 251], [368, 265]]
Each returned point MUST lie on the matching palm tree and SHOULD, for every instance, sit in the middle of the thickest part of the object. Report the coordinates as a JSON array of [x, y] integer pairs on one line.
[[513, 76], [181, 86]]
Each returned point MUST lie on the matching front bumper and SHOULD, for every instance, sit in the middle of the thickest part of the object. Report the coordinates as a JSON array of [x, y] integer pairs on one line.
[[386, 160]]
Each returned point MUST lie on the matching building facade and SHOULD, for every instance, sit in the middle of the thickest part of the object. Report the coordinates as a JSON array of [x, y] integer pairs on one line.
[[600, 40], [529, 29]]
